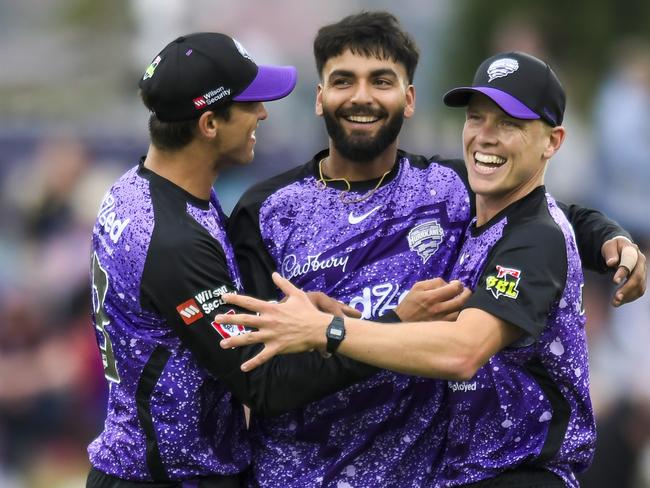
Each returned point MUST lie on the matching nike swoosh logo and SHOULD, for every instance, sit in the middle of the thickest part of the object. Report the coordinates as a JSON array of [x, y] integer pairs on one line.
[[354, 219]]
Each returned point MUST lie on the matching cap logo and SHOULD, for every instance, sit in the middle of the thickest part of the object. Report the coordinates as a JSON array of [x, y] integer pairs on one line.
[[242, 50], [151, 68], [502, 67], [211, 97]]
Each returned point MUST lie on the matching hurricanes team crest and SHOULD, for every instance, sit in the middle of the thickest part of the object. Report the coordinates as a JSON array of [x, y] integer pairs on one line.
[[502, 67], [425, 238], [242, 49], [505, 282]]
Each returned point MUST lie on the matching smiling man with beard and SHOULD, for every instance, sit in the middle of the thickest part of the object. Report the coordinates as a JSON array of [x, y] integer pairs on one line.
[[363, 222]]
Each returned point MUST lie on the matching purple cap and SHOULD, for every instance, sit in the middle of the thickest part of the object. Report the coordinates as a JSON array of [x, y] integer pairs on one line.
[[509, 104], [270, 83], [205, 70], [522, 85]]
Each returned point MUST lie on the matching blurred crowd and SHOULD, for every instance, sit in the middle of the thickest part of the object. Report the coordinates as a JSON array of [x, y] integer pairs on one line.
[[52, 391]]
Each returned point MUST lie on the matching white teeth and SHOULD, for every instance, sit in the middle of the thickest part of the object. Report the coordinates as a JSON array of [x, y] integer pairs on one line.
[[489, 158], [362, 119]]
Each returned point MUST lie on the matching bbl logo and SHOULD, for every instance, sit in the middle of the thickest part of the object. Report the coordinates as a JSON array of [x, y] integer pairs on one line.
[[425, 238], [504, 283], [151, 68]]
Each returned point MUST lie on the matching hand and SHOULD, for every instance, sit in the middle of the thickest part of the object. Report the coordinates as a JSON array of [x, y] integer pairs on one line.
[[433, 300], [631, 269], [328, 304], [294, 325]]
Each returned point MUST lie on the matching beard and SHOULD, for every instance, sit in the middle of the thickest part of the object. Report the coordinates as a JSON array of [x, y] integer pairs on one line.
[[362, 147]]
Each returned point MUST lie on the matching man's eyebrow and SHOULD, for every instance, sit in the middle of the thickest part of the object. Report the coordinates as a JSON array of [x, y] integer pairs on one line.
[[373, 74], [341, 72], [383, 72]]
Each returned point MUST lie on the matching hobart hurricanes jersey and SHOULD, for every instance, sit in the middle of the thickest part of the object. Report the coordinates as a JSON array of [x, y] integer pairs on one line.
[[160, 264], [385, 431], [529, 404], [367, 254]]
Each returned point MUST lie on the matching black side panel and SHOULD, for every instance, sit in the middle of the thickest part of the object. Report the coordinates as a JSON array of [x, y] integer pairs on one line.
[[150, 375]]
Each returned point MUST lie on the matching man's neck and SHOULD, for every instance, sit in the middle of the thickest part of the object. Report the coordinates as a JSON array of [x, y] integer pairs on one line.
[[487, 206], [187, 168], [338, 166]]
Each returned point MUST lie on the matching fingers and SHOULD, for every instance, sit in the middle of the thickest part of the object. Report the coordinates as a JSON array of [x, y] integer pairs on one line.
[[247, 320], [351, 311], [610, 252], [284, 284], [263, 356], [242, 340], [431, 284], [629, 256], [635, 285], [453, 304], [249, 303], [445, 292]]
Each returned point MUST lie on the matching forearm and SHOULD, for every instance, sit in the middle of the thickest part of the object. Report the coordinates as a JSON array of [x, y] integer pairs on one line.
[[291, 381], [592, 229], [431, 349]]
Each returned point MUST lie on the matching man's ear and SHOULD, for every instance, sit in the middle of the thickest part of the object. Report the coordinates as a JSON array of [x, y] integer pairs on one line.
[[555, 139], [208, 125], [409, 108], [319, 100]]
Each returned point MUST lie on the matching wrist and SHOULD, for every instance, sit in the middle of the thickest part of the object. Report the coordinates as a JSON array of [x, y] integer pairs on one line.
[[318, 337]]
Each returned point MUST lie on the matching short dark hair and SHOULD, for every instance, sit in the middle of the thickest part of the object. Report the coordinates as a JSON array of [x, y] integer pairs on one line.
[[376, 34], [172, 136]]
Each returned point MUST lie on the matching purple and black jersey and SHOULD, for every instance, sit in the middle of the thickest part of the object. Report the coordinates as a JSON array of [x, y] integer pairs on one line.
[[386, 431], [529, 405], [160, 264], [367, 254]]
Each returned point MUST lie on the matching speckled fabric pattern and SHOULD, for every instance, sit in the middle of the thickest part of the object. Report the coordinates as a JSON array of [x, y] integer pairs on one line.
[[214, 220], [385, 431], [530, 402], [185, 402]]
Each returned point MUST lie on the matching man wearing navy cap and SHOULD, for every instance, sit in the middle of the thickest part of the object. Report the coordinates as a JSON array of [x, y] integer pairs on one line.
[[160, 264], [517, 403]]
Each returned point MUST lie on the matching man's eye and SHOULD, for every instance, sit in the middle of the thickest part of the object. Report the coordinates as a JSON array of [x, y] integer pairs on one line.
[[383, 82], [510, 123], [340, 82]]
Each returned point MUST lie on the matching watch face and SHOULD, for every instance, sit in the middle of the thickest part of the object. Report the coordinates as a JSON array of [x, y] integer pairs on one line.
[[335, 331], [335, 334]]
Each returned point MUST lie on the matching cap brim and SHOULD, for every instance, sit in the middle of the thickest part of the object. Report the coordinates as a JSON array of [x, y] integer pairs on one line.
[[459, 97], [271, 83]]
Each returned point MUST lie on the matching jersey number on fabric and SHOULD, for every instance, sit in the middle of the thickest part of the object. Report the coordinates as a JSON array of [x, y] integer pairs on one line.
[[100, 286]]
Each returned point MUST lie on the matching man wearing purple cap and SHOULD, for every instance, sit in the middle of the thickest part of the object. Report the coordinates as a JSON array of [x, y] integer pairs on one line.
[[517, 404], [160, 264], [365, 222]]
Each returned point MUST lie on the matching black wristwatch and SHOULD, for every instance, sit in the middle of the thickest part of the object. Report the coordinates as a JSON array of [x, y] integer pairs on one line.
[[335, 334]]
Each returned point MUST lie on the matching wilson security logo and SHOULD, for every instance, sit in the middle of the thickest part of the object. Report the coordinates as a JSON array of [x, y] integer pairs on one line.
[[189, 311], [210, 300], [211, 97], [424, 239], [504, 283]]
